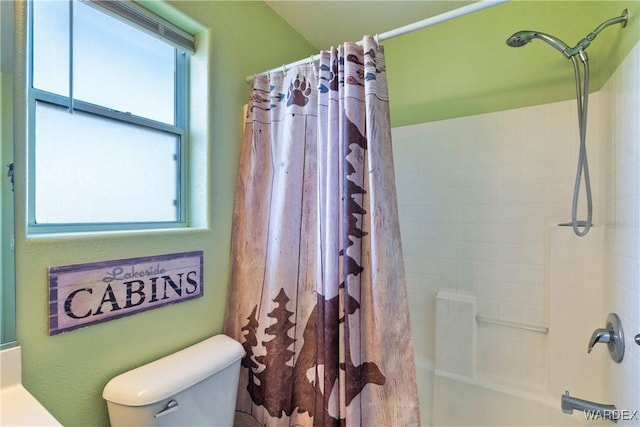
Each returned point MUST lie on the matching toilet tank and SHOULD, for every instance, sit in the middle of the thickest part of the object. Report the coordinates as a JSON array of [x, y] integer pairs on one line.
[[196, 386]]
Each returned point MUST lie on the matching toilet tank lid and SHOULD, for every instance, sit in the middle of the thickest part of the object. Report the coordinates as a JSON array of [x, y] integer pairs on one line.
[[174, 373]]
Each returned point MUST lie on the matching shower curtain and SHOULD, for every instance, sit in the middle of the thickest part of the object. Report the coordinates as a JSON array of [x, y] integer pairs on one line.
[[317, 292]]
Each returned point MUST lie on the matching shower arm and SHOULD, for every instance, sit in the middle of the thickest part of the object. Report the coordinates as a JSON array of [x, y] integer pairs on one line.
[[585, 42]]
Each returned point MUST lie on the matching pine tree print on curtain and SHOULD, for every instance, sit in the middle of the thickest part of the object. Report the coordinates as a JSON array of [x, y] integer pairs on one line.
[[317, 292]]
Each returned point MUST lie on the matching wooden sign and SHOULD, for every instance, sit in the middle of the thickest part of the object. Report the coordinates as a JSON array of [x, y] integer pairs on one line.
[[85, 294]]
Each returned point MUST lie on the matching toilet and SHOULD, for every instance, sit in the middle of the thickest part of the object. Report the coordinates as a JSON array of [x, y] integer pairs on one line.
[[196, 386]]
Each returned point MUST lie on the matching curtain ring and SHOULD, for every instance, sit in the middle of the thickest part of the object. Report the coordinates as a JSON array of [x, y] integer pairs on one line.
[[375, 38], [284, 68]]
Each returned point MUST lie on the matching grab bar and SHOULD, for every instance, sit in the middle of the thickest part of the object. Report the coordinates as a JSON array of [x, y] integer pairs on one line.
[[510, 324]]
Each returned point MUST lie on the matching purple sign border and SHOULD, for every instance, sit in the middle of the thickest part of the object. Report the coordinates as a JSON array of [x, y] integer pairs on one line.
[[55, 271]]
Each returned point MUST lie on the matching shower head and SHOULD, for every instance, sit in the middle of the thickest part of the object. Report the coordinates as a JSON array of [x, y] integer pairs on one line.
[[520, 38], [523, 37]]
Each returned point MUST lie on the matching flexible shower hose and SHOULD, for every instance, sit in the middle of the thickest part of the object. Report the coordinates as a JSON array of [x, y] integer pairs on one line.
[[582, 98]]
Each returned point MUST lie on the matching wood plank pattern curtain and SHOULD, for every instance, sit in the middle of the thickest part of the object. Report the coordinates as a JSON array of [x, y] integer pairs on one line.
[[317, 291]]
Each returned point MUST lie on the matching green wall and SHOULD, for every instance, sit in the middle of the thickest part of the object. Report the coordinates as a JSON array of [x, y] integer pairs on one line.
[[464, 67], [7, 292], [7, 289], [67, 372]]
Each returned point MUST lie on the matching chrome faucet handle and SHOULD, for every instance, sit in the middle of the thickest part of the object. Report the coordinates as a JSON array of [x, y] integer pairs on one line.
[[612, 335], [599, 335]]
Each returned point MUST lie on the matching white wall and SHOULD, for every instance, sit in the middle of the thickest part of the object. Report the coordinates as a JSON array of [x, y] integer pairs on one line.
[[477, 197], [480, 198], [622, 290]]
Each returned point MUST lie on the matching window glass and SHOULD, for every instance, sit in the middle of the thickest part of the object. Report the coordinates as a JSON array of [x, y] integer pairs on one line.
[[107, 113], [92, 169], [51, 46], [120, 67]]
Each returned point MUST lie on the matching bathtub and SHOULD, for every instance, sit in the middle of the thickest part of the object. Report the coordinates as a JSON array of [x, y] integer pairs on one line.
[[451, 400]]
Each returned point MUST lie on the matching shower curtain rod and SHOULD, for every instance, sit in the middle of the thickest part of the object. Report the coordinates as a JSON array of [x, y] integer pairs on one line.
[[443, 17]]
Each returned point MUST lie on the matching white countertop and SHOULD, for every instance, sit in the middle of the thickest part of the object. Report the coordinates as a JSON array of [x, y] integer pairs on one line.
[[17, 406]]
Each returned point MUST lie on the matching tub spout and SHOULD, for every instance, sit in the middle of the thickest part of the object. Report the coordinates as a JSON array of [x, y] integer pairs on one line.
[[593, 409]]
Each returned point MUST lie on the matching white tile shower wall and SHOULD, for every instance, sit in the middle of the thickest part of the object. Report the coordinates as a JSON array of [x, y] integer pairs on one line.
[[476, 197], [623, 228]]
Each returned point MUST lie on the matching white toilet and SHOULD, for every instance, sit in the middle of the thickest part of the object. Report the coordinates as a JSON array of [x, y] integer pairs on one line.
[[196, 386]]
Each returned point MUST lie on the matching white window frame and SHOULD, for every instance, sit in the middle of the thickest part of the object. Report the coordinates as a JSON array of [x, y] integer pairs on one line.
[[184, 43]]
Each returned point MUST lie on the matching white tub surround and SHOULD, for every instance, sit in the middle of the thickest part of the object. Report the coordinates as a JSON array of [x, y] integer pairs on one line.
[[17, 406], [480, 199], [464, 402], [456, 332]]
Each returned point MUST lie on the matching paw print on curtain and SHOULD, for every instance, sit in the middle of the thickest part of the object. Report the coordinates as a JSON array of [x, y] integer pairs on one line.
[[299, 91]]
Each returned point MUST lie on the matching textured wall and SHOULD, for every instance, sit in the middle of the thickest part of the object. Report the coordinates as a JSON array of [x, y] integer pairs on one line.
[[464, 67]]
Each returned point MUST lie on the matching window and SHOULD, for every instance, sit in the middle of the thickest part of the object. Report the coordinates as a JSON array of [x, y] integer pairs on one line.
[[107, 117]]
